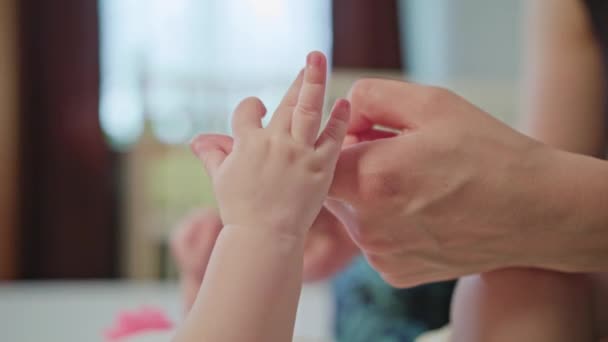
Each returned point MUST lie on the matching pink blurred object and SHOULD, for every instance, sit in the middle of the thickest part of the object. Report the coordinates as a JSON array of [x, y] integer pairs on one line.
[[131, 323]]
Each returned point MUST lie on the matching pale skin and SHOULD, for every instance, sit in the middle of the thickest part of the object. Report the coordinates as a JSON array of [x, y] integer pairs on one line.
[[270, 184], [466, 178], [564, 101], [564, 107], [195, 236], [469, 195]]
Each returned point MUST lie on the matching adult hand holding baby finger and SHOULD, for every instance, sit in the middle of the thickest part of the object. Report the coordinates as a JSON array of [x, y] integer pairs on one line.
[[456, 192]]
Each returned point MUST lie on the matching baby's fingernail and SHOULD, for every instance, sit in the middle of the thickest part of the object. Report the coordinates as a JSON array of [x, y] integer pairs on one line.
[[343, 104], [314, 59], [342, 109]]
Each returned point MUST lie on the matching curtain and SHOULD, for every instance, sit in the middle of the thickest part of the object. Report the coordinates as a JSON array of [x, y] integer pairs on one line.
[[68, 182]]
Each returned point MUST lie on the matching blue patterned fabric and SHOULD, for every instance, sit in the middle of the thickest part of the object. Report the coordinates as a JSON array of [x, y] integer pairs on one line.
[[368, 309]]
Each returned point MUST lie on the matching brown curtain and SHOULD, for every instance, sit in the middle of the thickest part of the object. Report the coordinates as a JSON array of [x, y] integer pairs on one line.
[[8, 138], [69, 202], [366, 34]]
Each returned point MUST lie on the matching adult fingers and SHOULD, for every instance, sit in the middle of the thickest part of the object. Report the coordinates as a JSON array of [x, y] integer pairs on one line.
[[393, 104]]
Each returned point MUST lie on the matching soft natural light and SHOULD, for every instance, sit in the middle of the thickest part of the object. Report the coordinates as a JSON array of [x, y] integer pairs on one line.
[[185, 64], [268, 8]]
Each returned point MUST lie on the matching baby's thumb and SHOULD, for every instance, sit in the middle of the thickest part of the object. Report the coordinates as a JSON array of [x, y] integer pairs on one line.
[[211, 149]]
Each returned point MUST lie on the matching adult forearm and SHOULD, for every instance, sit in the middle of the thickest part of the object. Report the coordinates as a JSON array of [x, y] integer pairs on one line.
[[264, 310], [575, 236]]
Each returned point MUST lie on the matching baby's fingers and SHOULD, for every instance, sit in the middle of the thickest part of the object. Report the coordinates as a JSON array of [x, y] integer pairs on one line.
[[330, 141], [307, 115], [282, 116], [248, 115], [212, 149]]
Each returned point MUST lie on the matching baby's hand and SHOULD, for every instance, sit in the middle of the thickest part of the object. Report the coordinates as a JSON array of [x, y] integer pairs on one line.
[[278, 176]]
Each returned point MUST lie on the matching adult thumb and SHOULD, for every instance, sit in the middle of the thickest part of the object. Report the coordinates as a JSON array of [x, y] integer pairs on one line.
[[392, 104], [355, 164]]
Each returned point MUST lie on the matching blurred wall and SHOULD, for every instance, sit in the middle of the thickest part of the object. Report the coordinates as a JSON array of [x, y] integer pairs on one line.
[[470, 46], [8, 137], [462, 39], [366, 35]]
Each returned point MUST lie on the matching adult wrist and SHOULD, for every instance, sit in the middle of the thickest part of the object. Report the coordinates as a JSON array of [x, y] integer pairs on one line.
[[570, 234]]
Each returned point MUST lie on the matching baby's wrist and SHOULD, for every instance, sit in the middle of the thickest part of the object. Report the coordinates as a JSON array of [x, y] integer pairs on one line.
[[288, 226], [272, 234]]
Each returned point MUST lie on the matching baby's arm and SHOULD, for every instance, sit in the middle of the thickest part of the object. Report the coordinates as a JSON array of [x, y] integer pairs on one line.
[[270, 186], [250, 290]]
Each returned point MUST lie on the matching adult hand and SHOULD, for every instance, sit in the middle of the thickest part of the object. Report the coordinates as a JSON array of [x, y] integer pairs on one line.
[[455, 192]]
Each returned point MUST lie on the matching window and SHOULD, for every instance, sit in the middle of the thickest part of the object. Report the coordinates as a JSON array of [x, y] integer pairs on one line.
[[180, 66]]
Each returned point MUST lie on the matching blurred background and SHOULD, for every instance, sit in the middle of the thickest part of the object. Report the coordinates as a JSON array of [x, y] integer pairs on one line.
[[98, 99]]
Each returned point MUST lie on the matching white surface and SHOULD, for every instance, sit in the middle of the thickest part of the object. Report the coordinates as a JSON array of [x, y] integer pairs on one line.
[[80, 311]]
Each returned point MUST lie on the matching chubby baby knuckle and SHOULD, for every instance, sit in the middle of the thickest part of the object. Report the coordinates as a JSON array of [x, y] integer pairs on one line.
[[247, 141], [317, 166], [318, 173], [281, 140], [275, 142], [286, 152], [290, 155], [275, 136]]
